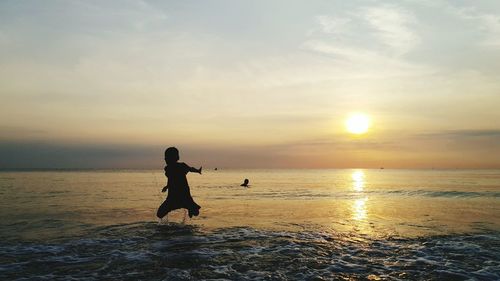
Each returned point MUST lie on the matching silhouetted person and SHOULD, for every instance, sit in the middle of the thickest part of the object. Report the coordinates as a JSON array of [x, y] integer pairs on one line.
[[245, 183], [179, 195]]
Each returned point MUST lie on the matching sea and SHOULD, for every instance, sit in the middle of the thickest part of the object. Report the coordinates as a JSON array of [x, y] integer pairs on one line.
[[338, 224]]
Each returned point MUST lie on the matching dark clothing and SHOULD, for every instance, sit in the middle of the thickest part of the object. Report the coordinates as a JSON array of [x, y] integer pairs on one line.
[[179, 195]]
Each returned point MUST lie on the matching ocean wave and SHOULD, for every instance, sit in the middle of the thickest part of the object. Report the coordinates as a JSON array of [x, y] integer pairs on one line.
[[347, 194], [432, 193], [182, 252]]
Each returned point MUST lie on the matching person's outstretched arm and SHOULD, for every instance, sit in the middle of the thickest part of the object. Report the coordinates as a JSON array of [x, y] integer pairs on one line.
[[194, 170]]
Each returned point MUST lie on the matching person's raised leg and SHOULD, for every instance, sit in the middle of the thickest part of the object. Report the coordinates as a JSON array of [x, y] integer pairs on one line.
[[163, 210]]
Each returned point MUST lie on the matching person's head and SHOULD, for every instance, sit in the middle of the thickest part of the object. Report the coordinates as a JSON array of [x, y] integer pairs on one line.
[[171, 155]]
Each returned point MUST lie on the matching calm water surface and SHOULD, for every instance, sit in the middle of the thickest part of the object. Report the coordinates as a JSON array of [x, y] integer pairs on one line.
[[290, 224]]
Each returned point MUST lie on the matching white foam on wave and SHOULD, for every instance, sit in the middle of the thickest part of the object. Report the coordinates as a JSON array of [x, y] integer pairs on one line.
[[142, 251]]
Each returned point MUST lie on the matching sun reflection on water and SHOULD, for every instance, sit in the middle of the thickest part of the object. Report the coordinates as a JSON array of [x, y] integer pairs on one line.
[[358, 180], [359, 209], [359, 205]]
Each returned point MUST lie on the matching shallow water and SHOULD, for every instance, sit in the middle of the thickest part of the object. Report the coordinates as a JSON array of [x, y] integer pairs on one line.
[[290, 224]]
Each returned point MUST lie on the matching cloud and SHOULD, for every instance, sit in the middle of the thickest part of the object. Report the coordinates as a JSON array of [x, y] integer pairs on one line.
[[20, 131], [361, 62], [490, 24], [338, 143], [348, 52], [369, 42], [468, 148], [392, 27], [55, 155], [333, 25], [487, 23], [461, 134], [40, 155], [478, 144]]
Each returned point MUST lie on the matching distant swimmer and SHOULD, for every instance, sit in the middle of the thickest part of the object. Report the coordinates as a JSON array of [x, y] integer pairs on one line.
[[245, 183]]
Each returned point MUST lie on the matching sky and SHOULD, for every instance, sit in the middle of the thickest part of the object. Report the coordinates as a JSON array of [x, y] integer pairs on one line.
[[249, 84]]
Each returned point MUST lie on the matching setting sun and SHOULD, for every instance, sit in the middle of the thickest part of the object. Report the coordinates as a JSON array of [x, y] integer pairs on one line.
[[358, 123]]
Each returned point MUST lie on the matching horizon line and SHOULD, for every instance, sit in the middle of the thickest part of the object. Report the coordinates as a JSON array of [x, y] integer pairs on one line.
[[59, 169]]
